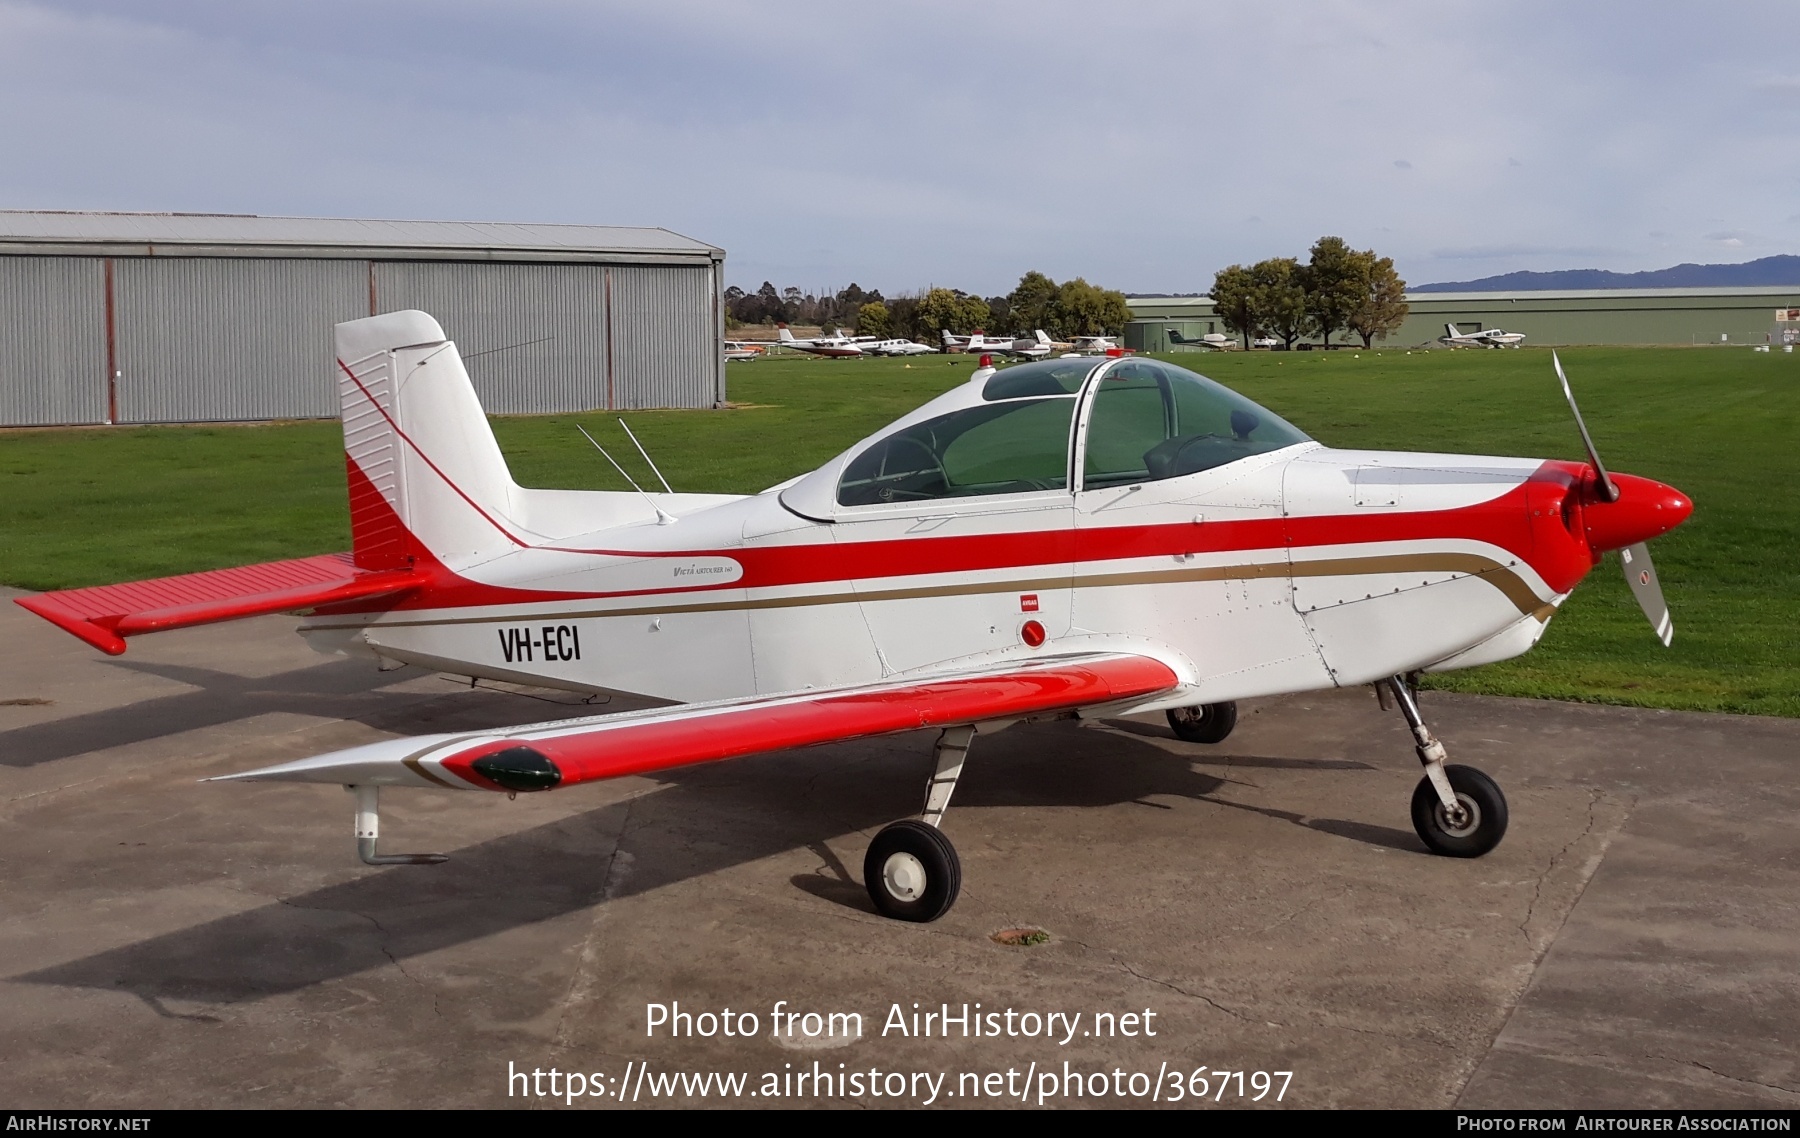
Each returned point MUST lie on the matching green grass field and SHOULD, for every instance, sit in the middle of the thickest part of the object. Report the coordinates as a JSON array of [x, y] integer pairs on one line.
[[90, 506]]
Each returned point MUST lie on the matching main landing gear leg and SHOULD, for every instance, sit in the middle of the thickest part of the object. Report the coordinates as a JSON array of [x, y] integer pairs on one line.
[[1457, 811], [911, 870], [368, 829]]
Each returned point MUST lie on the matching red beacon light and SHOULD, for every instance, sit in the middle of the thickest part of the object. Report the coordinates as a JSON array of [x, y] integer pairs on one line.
[[987, 361], [1115, 353]]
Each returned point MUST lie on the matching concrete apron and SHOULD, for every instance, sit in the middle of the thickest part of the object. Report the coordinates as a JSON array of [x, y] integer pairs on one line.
[[1633, 942]]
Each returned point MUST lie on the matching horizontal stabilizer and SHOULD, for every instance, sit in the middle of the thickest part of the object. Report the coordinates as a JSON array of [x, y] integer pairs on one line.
[[545, 756], [104, 615]]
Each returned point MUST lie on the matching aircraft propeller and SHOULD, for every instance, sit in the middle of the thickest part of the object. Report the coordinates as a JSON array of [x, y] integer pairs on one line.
[[1640, 570]]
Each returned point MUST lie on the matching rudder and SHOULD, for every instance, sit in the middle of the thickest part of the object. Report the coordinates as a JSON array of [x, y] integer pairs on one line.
[[424, 470]]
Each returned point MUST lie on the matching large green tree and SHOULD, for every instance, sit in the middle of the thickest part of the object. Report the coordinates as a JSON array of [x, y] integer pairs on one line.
[[1381, 305], [1081, 309], [1278, 295], [1234, 299], [948, 310], [1334, 279], [872, 319], [1029, 303]]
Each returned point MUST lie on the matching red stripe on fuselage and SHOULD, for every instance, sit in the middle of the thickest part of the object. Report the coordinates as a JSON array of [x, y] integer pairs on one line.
[[1526, 521]]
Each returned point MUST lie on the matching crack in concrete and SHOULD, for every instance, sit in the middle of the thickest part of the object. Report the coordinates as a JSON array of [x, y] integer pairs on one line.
[[1537, 891], [1549, 939], [584, 963], [1730, 1078], [1207, 1000], [381, 943]]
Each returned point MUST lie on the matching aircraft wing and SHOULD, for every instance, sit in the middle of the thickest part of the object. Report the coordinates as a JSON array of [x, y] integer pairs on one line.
[[104, 615], [545, 756]]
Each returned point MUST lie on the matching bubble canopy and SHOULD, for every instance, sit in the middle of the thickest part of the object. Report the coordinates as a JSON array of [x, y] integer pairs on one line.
[[1013, 433]]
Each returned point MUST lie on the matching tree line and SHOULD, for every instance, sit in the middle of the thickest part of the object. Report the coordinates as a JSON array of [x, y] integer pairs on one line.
[[1072, 308], [1338, 288]]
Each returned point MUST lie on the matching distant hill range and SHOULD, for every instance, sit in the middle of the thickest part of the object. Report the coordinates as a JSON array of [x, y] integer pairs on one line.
[[1783, 269]]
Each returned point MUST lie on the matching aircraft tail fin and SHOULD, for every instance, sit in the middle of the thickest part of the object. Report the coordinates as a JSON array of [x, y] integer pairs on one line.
[[426, 476], [782, 334], [1450, 332]]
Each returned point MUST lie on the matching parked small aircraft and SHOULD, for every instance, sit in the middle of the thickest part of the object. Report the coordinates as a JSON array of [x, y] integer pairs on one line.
[[898, 347], [1072, 537], [1092, 345], [745, 350], [835, 347], [1489, 338], [1217, 341]]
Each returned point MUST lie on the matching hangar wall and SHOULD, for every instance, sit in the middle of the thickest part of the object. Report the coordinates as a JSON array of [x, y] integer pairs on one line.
[[241, 330]]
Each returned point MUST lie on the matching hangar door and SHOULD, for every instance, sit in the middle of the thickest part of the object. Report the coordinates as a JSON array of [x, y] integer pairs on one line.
[[52, 341], [666, 348], [533, 337], [204, 339]]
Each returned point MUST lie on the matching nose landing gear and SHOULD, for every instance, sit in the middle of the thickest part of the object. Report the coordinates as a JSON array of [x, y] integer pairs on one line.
[[1457, 811]]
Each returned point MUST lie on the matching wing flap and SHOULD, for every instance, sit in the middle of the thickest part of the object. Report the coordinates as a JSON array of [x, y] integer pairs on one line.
[[550, 755], [103, 615]]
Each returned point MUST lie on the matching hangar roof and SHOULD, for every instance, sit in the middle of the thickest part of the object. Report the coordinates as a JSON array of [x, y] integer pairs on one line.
[[248, 235]]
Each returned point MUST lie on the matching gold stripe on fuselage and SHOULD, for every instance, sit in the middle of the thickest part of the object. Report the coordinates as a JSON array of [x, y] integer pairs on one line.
[[1493, 572]]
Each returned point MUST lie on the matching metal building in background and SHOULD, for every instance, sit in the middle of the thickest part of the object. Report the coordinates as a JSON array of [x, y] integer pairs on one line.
[[171, 318]]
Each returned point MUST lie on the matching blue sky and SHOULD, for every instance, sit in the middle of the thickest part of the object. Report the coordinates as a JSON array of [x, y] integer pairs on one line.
[[1142, 145]]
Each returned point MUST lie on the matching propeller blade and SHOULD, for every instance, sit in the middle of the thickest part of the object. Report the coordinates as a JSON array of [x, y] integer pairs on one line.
[[1640, 574], [1607, 486]]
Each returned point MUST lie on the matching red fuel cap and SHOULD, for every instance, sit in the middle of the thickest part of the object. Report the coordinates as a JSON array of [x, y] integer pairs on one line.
[[1032, 633]]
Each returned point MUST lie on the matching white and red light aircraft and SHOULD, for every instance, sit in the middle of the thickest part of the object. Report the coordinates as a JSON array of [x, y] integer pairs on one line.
[[1064, 538]]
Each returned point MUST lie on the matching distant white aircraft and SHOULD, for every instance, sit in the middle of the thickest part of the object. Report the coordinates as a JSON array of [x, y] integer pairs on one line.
[[745, 350], [833, 347], [1093, 345], [1488, 338], [897, 348], [1034, 347], [1265, 342]]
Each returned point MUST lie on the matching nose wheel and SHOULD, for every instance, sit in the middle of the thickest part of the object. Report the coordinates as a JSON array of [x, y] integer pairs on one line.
[[1457, 811], [1470, 831]]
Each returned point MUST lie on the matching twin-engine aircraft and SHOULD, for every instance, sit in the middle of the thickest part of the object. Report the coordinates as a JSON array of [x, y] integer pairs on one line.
[[1072, 537]]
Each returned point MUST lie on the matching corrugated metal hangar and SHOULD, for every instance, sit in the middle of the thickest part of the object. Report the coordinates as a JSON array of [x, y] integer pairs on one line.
[[159, 318], [1597, 316]]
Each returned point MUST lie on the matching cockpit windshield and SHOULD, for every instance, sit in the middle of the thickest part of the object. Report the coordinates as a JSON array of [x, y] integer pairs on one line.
[[1149, 421], [1153, 420]]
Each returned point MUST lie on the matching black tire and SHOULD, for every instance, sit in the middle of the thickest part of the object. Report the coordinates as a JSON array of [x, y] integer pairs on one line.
[[920, 889], [1208, 723], [1480, 795]]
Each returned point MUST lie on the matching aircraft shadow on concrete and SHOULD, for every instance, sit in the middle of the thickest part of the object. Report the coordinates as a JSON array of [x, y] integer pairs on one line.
[[702, 820], [338, 689]]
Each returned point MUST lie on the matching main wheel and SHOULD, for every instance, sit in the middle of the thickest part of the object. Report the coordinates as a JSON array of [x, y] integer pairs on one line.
[[1483, 823], [912, 871], [1208, 723]]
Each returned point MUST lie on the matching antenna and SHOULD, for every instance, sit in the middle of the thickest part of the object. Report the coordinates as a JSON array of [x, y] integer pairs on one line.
[[646, 454], [662, 519]]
